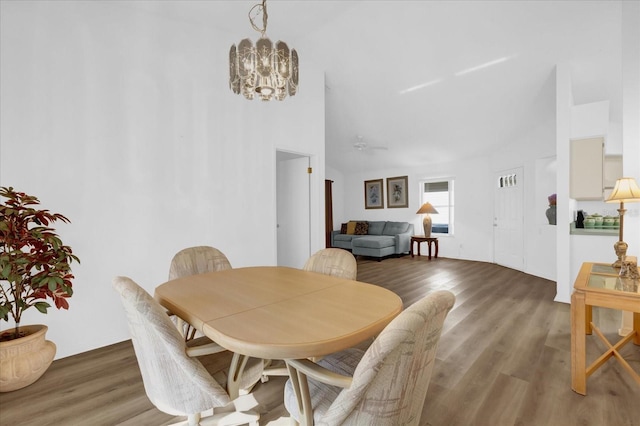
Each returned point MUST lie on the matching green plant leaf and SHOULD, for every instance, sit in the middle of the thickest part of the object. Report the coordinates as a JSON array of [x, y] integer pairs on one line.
[[6, 270], [42, 306]]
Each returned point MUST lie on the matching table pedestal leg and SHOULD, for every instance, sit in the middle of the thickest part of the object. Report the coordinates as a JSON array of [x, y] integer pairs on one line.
[[238, 363], [301, 390]]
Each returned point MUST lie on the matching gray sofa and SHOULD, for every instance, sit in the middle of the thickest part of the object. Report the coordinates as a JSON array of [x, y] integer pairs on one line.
[[383, 238]]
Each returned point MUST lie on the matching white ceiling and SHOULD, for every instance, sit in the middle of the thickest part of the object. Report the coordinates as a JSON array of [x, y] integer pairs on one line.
[[481, 72]]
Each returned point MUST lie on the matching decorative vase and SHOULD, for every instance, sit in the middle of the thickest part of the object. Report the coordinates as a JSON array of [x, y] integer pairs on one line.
[[607, 222], [551, 215], [24, 360], [598, 221]]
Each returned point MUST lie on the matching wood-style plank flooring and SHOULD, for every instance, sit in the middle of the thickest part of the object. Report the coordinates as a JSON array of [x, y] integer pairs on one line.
[[504, 359]]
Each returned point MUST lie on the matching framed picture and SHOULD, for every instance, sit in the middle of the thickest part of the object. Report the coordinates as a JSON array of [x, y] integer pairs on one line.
[[373, 194], [397, 192]]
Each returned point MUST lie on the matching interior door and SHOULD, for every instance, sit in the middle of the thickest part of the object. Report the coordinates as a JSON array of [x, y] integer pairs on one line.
[[293, 227], [328, 212], [508, 221]]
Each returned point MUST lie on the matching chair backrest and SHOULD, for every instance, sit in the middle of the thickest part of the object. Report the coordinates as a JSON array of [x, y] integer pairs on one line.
[[391, 380], [333, 261], [175, 383], [197, 260]]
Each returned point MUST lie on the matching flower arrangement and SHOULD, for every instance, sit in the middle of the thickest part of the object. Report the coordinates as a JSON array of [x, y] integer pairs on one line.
[[34, 263], [552, 199]]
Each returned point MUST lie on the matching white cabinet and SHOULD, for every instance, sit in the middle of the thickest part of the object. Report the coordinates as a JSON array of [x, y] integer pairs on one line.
[[586, 178], [612, 172]]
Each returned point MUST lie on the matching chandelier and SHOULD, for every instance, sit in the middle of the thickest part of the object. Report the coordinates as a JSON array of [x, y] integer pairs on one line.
[[266, 69]]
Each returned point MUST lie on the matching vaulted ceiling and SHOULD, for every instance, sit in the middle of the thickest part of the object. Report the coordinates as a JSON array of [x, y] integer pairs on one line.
[[433, 81]]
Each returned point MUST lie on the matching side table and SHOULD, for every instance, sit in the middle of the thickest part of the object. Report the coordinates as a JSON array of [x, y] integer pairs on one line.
[[598, 284], [421, 239]]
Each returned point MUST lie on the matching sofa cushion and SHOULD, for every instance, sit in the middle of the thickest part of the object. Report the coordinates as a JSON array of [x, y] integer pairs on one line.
[[343, 228], [375, 228], [394, 228], [374, 242], [343, 237], [351, 227], [361, 228]]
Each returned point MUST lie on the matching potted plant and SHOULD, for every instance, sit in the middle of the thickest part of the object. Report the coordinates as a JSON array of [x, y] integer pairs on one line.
[[34, 266]]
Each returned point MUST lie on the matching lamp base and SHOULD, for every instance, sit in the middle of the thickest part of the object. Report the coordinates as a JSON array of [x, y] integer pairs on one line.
[[426, 224], [621, 251]]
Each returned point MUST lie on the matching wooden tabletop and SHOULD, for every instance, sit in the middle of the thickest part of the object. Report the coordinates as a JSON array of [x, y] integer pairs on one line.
[[603, 287], [276, 312]]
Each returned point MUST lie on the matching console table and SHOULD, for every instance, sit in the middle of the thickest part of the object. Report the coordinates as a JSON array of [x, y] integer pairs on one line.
[[422, 239], [598, 284]]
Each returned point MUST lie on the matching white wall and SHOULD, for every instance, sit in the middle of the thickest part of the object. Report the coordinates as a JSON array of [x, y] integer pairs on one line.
[[590, 120], [631, 116], [124, 122], [564, 103]]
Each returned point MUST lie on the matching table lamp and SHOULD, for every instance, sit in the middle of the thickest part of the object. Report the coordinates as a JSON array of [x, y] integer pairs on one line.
[[426, 222], [625, 191]]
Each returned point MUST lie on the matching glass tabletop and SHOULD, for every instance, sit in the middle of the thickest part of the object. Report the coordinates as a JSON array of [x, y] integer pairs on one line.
[[607, 277]]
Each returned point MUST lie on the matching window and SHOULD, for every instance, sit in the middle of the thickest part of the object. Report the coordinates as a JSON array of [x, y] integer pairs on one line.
[[440, 194]]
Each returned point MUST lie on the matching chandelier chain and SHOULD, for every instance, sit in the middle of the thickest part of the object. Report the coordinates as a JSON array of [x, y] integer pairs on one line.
[[261, 8]]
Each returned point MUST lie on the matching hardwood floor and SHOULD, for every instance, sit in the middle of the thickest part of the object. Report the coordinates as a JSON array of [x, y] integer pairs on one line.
[[504, 359]]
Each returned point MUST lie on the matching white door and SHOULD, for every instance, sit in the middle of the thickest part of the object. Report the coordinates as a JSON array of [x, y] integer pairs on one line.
[[508, 220], [292, 186]]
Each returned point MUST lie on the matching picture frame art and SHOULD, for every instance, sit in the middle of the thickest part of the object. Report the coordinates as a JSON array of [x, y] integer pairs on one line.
[[397, 192], [373, 194]]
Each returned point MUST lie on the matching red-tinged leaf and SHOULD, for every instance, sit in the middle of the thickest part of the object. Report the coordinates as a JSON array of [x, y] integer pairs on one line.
[[61, 303]]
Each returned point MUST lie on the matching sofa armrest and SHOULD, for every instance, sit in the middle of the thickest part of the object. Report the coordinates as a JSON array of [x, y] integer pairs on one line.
[[334, 232], [403, 240]]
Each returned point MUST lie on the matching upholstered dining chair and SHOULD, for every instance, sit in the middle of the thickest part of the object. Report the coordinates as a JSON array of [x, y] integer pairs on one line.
[[333, 261], [199, 260], [386, 385], [174, 382], [329, 261], [193, 261]]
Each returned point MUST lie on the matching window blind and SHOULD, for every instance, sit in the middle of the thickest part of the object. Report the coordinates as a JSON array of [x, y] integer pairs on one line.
[[436, 186]]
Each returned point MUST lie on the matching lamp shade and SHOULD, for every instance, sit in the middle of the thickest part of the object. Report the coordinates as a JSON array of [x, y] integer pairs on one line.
[[427, 208], [625, 191]]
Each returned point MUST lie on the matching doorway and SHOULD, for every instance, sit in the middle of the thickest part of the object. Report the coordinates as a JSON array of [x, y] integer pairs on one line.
[[508, 219], [293, 209]]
